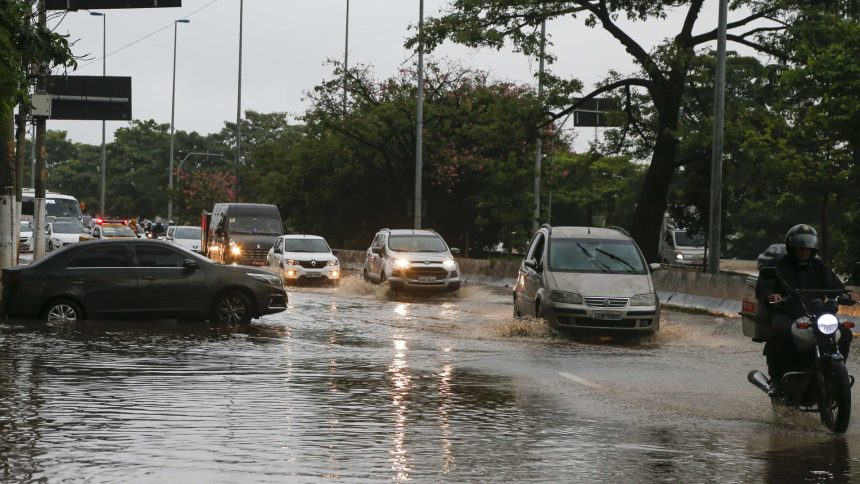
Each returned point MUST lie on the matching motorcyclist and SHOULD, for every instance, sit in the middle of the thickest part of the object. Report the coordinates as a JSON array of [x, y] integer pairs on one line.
[[800, 269]]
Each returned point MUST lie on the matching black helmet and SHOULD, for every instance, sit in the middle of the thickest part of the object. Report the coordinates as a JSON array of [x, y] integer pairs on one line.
[[802, 236]]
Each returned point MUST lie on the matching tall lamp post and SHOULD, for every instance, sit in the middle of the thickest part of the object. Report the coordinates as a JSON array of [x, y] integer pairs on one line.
[[172, 110], [717, 152], [419, 117], [239, 104], [104, 73], [345, 57]]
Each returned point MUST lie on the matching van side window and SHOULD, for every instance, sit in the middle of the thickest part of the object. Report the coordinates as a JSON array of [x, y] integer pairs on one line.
[[669, 239]]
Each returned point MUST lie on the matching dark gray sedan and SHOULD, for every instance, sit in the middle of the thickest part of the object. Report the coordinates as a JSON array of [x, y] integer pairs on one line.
[[139, 279], [770, 255]]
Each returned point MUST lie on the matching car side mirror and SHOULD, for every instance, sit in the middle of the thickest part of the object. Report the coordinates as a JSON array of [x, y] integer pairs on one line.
[[191, 264], [278, 250], [219, 232], [654, 266], [455, 251], [531, 264], [334, 251], [376, 250]]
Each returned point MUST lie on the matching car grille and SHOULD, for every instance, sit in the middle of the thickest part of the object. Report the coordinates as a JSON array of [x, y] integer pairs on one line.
[[606, 302], [418, 272], [598, 323], [255, 253], [314, 264]]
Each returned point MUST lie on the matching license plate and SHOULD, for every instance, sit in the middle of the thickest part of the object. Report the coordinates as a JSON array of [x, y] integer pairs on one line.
[[610, 315], [258, 262], [313, 274], [426, 279]]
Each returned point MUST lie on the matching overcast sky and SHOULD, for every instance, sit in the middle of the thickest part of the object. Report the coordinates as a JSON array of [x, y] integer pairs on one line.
[[285, 47]]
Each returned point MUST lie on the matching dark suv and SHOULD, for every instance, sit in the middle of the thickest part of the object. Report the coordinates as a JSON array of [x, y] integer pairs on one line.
[[138, 279]]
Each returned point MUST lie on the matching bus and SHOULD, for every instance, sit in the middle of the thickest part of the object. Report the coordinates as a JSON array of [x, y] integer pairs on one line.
[[57, 205]]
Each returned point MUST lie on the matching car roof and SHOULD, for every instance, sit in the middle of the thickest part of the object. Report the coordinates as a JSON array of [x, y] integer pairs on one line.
[[184, 227], [411, 232], [301, 236], [586, 233]]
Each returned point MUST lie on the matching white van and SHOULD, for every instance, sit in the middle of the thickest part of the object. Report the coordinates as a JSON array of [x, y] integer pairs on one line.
[[680, 247]]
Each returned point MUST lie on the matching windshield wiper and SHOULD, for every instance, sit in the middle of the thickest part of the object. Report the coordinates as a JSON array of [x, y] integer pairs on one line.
[[603, 266], [616, 258]]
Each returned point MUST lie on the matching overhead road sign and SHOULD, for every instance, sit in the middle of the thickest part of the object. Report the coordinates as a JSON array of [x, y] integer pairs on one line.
[[592, 113], [106, 4], [90, 97]]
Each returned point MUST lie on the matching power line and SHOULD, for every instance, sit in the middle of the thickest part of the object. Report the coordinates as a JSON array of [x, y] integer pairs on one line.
[[144, 37]]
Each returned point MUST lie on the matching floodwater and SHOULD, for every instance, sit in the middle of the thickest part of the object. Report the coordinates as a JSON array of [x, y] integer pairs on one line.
[[355, 384]]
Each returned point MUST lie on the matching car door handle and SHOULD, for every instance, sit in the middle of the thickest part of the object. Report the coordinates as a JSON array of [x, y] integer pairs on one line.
[[148, 278]]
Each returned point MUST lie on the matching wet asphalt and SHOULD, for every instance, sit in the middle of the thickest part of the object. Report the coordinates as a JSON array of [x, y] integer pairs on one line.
[[360, 384]]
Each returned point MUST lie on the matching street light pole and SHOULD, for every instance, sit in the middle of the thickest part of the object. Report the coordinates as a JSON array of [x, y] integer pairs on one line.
[[538, 147], [345, 57], [239, 105], [104, 73], [172, 131], [419, 117], [717, 151]]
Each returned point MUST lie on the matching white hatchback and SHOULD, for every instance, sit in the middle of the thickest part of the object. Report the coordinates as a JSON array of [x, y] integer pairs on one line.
[[185, 236], [304, 258]]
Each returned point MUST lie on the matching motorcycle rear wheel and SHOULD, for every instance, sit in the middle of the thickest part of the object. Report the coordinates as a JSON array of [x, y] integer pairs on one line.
[[835, 406]]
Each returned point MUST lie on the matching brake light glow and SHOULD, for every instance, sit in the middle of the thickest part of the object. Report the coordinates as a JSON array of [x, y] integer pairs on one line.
[[803, 325], [848, 324]]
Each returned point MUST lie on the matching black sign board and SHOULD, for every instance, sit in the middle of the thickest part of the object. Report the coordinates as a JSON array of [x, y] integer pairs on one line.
[[90, 97], [592, 113], [106, 4]]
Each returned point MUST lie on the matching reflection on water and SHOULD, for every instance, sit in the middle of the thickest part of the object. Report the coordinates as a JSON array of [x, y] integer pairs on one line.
[[352, 387]]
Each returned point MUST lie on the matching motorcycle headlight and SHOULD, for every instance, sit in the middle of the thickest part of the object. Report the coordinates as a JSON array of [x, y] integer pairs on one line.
[[566, 297], [332, 262], [828, 323], [644, 300], [267, 278], [401, 263], [449, 264]]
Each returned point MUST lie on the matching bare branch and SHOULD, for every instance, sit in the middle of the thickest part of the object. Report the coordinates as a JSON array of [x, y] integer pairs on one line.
[[690, 21], [712, 35], [646, 83], [761, 48]]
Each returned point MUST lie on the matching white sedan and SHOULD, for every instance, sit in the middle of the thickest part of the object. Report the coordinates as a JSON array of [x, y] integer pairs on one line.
[[304, 258]]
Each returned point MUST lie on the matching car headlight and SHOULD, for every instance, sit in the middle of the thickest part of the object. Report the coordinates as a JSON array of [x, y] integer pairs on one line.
[[291, 262], [679, 256], [267, 278], [401, 263], [827, 323], [566, 297], [649, 299], [449, 264], [235, 249], [332, 262]]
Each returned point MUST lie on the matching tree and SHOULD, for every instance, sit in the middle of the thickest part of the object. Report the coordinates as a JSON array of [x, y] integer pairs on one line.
[[662, 75]]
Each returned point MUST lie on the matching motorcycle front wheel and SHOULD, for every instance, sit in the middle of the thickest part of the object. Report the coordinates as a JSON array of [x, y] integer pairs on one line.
[[835, 406]]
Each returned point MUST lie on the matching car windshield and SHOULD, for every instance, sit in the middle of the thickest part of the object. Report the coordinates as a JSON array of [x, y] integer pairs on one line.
[[60, 207], [684, 238], [595, 255], [187, 233], [416, 243], [255, 225], [118, 231], [25, 227], [67, 228], [305, 245]]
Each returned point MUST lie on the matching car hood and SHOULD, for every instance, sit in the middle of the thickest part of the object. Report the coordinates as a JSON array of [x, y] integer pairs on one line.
[[27, 234], [317, 256], [252, 241], [67, 237], [422, 256], [611, 285], [238, 268], [187, 242]]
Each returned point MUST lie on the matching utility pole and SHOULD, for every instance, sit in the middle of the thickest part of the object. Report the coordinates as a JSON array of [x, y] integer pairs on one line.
[[717, 152], [172, 131], [239, 105], [20, 143], [41, 153], [419, 117], [345, 58], [103, 173], [538, 151]]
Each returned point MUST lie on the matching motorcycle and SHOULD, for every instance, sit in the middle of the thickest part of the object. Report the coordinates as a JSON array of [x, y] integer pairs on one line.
[[821, 383]]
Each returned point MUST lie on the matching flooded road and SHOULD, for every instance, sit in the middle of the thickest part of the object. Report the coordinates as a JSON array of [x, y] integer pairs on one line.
[[356, 384]]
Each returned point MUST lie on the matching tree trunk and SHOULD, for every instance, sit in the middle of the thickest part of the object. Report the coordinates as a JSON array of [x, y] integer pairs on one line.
[[651, 205]]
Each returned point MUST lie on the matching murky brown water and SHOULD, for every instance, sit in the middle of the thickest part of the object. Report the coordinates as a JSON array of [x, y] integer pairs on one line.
[[359, 384]]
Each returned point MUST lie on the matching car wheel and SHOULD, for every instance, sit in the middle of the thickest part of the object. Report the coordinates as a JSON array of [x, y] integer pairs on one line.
[[364, 276], [232, 308], [63, 311], [517, 313], [538, 309]]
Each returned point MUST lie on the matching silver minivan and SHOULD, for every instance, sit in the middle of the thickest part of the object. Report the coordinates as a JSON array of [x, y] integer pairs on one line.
[[587, 278]]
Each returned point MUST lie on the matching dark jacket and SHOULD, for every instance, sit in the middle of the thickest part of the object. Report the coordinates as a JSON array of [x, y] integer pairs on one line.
[[814, 275]]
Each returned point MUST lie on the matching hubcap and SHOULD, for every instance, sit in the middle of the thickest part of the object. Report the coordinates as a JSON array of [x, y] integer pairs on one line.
[[62, 313], [231, 309]]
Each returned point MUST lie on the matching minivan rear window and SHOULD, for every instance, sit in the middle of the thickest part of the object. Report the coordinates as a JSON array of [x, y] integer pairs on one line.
[[595, 256]]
